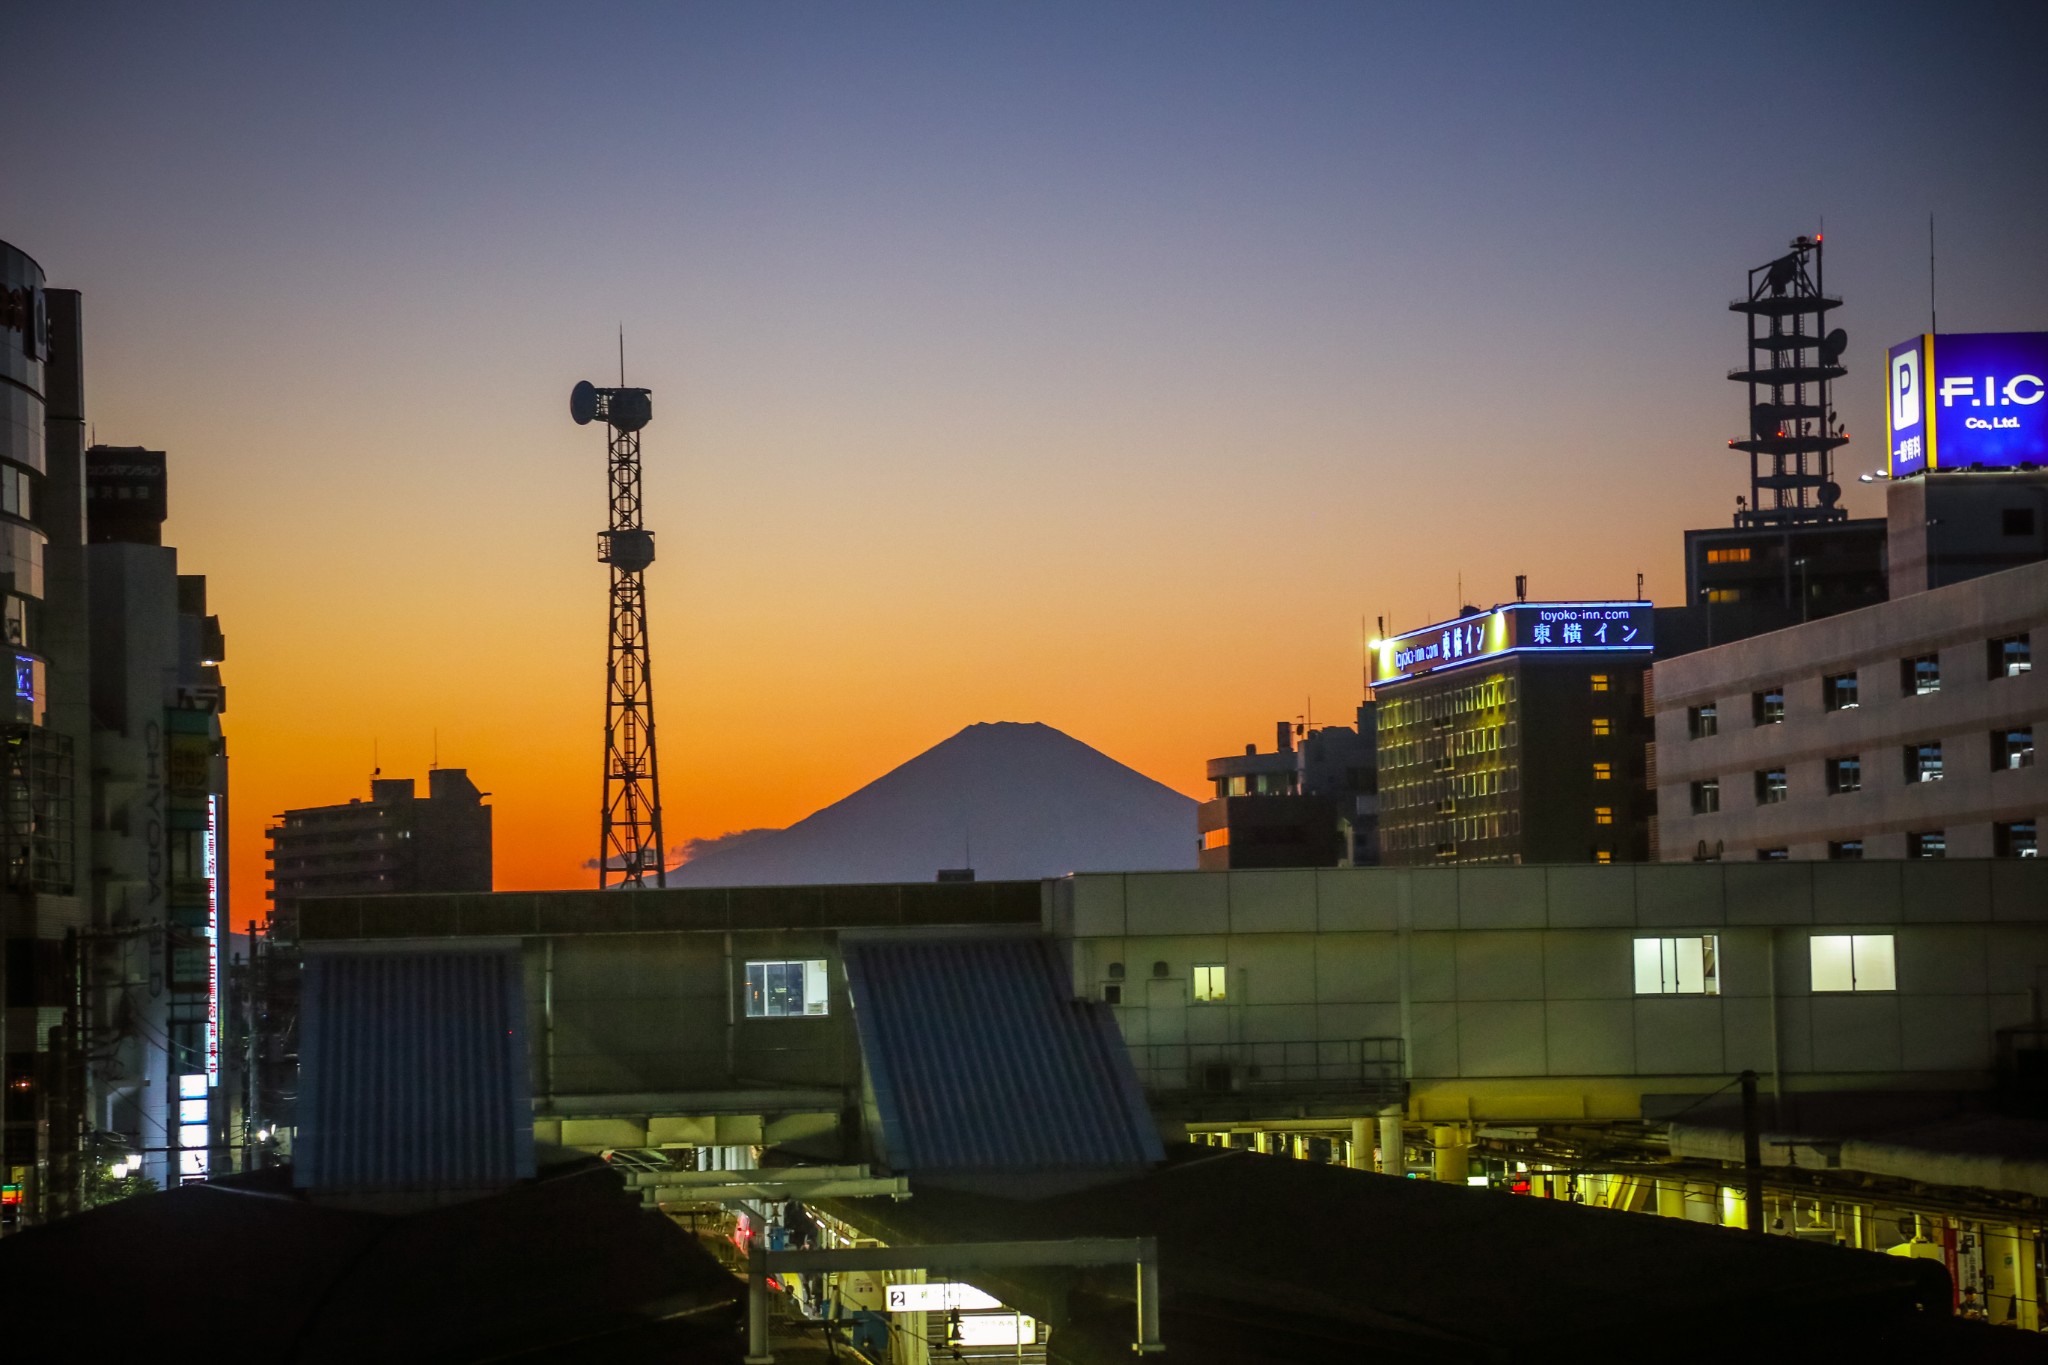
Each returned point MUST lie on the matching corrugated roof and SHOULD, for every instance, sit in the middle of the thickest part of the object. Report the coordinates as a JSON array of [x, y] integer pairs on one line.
[[413, 1071], [982, 1060]]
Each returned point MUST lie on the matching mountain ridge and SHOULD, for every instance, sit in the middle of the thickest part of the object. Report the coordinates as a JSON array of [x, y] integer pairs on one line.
[[1012, 799]]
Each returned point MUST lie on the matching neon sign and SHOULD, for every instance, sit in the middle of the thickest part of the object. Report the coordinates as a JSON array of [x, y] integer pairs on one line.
[[210, 856], [1967, 399], [1515, 629]]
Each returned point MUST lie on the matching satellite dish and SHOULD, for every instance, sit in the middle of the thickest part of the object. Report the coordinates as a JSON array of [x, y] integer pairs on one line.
[[583, 403], [629, 409], [1830, 493], [1832, 346]]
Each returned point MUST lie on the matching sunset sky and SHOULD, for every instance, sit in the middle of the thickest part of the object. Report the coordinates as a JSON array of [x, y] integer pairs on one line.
[[1098, 364]]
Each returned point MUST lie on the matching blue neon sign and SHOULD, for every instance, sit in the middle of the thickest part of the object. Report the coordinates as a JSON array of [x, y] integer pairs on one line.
[[1969, 398], [1517, 628]]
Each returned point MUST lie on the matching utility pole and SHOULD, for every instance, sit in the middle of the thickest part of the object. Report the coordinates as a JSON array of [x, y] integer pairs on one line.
[[1752, 1155]]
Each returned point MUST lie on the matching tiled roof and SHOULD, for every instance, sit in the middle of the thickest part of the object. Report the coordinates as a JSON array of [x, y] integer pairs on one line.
[[981, 1059]]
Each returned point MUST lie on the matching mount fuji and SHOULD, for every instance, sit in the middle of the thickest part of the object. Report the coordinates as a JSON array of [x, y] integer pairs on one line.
[[1010, 800]]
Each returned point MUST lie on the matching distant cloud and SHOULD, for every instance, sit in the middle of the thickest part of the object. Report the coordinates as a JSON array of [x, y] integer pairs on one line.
[[692, 849]]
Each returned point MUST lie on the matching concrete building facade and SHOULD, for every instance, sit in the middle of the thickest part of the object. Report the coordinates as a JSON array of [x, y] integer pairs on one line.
[[1903, 730]]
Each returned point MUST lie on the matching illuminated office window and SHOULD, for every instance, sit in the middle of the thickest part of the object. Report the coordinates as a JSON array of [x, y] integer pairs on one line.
[[1927, 844], [784, 990], [1602, 726], [1603, 855], [2015, 839], [1736, 555], [1853, 962], [1211, 982], [1602, 772], [1844, 775], [2011, 656], [1603, 815], [1768, 706], [1717, 596], [1702, 721], [1600, 682], [1678, 966], [1838, 692], [1770, 786]]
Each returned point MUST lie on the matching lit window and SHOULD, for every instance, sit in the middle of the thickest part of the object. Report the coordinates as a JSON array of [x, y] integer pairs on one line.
[[2011, 656], [1923, 762], [1927, 844], [1853, 962], [1706, 796], [1737, 555], [1769, 706], [1678, 966], [1770, 786], [1603, 772], [1844, 775], [1211, 981], [1602, 726], [1920, 675], [1603, 815], [1846, 850], [1216, 838], [1773, 855], [1599, 682], [1702, 721], [1716, 596], [783, 990], [1603, 855], [2013, 748], [1839, 692], [2015, 839]]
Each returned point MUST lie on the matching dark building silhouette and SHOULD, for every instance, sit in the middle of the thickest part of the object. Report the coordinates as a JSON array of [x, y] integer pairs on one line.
[[1312, 802], [397, 841]]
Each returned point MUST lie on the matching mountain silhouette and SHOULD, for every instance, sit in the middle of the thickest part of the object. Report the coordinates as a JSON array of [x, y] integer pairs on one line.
[[1007, 799]]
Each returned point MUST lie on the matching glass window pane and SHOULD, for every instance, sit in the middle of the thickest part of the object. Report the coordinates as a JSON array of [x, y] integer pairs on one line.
[[1831, 969], [1876, 969], [1691, 976], [1649, 972], [815, 993], [757, 989]]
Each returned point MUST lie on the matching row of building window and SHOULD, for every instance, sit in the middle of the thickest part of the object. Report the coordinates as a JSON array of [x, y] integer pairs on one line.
[[2009, 839], [1836, 964], [2012, 748], [2008, 656]]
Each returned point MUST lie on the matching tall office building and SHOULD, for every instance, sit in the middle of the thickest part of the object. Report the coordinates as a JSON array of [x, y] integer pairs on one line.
[[397, 841], [160, 1083], [1515, 735]]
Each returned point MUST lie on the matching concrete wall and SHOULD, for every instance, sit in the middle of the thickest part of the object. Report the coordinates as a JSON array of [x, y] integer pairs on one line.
[[1955, 622], [1512, 988]]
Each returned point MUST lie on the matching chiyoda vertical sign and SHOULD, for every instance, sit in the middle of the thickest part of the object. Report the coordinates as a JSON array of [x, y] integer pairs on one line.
[[210, 855]]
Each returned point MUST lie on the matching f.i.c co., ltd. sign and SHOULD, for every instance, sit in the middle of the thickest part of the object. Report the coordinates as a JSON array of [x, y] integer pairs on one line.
[[1959, 400]]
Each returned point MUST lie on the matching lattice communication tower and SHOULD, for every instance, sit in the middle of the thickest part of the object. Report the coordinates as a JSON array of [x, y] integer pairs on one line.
[[630, 845], [1793, 363]]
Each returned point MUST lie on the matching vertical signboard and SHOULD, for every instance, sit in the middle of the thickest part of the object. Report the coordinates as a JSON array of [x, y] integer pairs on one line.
[[210, 861]]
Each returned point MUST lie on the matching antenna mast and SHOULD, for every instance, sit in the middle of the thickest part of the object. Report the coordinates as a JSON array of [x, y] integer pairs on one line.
[[629, 842], [1793, 360]]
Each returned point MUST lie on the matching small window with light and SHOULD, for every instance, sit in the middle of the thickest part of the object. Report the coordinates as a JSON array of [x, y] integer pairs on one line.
[[1600, 682], [1838, 692], [1842, 963], [1920, 675], [1678, 966], [1602, 727], [2010, 656], [1768, 706], [1702, 721], [1211, 982], [787, 990]]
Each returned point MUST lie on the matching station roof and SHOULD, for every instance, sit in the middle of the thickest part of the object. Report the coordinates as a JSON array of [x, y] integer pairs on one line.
[[982, 1060], [1269, 1259]]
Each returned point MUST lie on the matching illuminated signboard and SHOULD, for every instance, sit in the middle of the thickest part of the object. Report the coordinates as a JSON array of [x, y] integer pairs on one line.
[[210, 853], [1517, 629], [1970, 398], [937, 1298]]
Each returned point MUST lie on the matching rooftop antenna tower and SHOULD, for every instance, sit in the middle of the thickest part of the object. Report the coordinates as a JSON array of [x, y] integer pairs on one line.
[[1793, 363], [630, 852]]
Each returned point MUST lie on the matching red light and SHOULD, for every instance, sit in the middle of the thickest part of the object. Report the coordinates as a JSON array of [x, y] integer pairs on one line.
[[1817, 237]]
